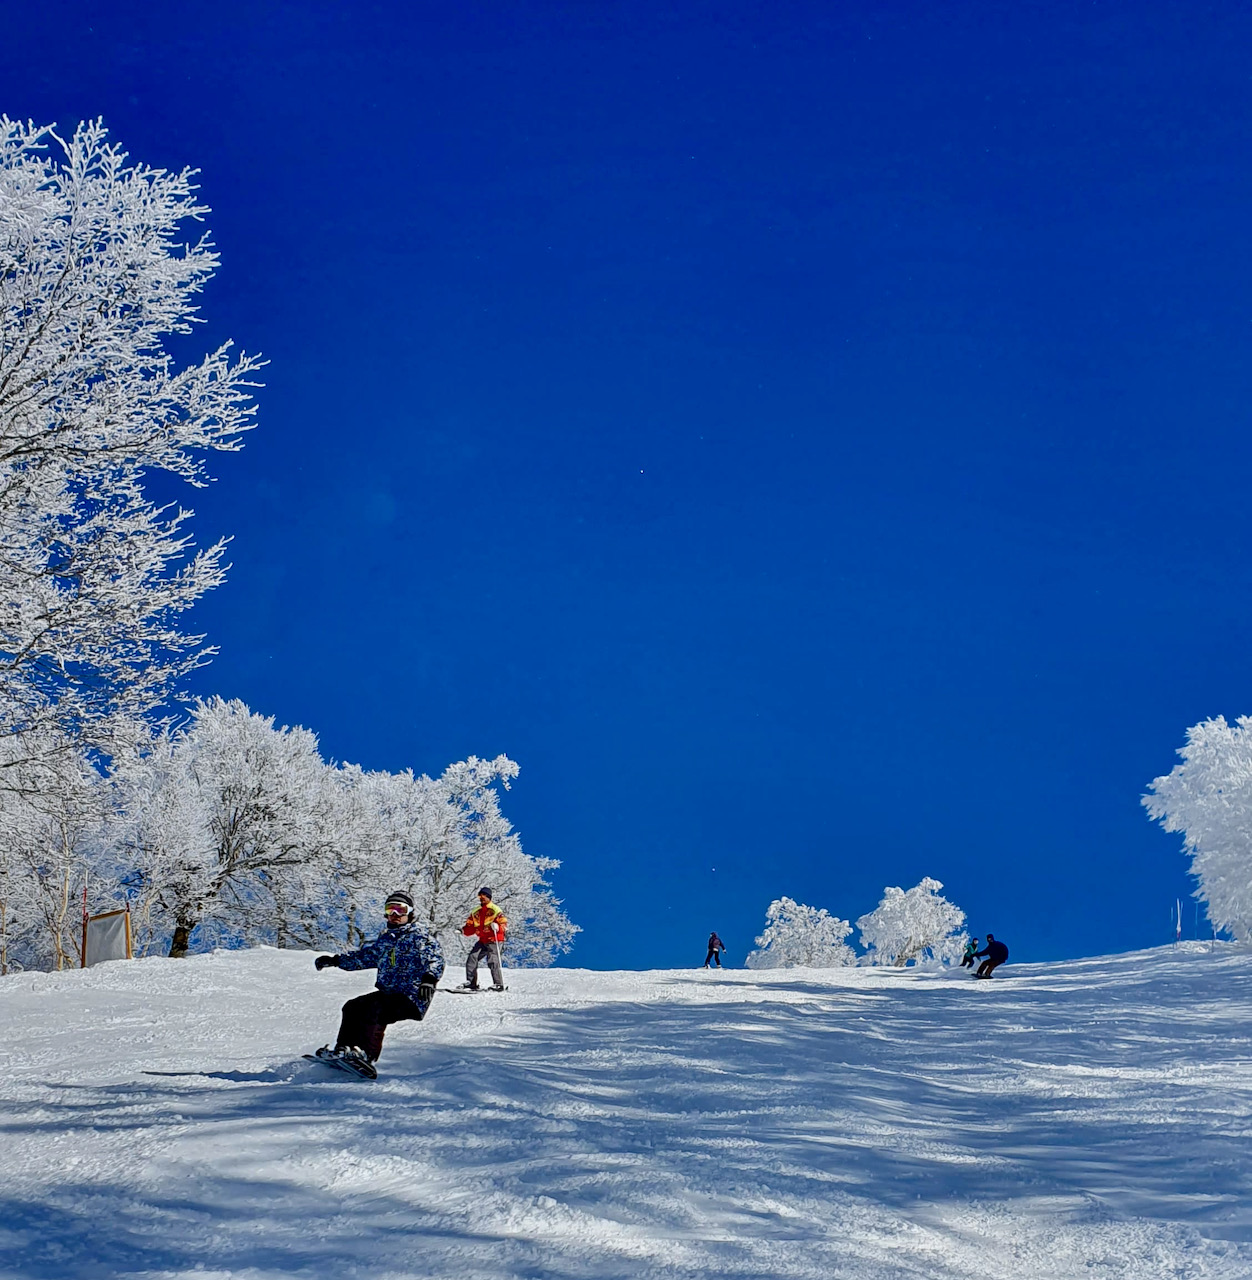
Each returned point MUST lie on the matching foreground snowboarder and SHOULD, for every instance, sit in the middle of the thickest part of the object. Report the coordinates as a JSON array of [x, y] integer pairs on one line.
[[488, 924], [996, 952], [409, 964]]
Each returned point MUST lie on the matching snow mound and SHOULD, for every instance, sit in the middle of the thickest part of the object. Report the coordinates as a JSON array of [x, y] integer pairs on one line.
[[1082, 1119]]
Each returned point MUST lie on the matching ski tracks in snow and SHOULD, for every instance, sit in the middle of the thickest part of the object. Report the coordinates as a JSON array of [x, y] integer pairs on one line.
[[1090, 1119]]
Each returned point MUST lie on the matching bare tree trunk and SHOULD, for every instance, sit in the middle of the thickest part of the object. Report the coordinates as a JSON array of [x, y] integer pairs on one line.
[[58, 920], [78, 937]]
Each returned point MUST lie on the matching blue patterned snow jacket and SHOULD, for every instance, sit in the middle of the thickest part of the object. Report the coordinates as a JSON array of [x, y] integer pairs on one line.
[[403, 956]]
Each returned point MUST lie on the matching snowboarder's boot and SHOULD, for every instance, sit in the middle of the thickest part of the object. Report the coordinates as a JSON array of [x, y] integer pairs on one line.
[[359, 1061], [346, 1058]]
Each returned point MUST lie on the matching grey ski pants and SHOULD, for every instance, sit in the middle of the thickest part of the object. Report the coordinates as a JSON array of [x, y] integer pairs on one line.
[[489, 951]]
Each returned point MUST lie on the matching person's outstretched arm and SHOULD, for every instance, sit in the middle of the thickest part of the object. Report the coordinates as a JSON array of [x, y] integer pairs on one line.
[[365, 957]]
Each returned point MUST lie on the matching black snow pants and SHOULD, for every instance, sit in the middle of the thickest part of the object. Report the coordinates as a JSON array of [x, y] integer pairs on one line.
[[967, 962], [489, 951], [987, 967], [714, 956], [366, 1019]]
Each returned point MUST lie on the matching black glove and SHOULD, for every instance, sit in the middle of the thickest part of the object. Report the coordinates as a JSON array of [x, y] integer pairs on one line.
[[324, 962], [426, 989]]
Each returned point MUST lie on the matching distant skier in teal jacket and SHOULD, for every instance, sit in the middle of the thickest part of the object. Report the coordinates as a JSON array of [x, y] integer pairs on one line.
[[971, 950]]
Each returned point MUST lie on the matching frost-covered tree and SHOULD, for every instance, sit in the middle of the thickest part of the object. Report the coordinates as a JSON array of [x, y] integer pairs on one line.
[[61, 844], [482, 848], [94, 576], [796, 934], [1208, 799], [227, 822], [51, 837], [442, 839], [912, 925]]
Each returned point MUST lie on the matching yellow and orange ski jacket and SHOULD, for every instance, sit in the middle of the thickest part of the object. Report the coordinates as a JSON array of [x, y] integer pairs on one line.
[[487, 922]]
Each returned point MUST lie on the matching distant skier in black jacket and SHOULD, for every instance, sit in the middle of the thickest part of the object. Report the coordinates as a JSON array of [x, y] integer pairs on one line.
[[996, 952], [716, 947]]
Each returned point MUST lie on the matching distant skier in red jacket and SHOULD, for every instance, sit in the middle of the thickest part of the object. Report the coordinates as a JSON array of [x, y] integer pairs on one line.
[[488, 924]]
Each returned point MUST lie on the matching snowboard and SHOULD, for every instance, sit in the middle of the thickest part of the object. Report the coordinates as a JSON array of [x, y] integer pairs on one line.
[[473, 991], [362, 1070]]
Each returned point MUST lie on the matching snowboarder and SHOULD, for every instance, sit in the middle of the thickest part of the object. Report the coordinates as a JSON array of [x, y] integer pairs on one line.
[[409, 964], [996, 952], [488, 923], [716, 947], [971, 950]]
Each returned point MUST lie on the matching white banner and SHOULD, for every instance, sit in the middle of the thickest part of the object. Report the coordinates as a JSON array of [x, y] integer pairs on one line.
[[106, 937]]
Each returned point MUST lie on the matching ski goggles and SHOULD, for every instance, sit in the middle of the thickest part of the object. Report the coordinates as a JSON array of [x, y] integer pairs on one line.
[[396, 909]]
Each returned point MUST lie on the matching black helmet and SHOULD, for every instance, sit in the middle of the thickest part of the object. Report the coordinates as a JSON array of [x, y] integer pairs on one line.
[[401, 897], [485, 892]]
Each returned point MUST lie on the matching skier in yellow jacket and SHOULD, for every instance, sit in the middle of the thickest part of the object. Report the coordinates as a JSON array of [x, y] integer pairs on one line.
[[488, 924]]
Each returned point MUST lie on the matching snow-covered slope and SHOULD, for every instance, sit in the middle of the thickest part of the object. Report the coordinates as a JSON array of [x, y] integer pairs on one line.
[[1084, 1119]]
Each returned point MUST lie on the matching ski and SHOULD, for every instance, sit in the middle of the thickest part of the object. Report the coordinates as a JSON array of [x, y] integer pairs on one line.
[[362, 1070]]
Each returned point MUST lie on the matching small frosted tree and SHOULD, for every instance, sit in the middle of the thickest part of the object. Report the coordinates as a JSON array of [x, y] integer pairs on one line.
[[1208, 799], [912, 925], [796, 934]]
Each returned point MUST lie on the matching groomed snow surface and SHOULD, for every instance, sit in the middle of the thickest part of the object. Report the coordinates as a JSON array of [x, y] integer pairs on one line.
[[1087, 1119]]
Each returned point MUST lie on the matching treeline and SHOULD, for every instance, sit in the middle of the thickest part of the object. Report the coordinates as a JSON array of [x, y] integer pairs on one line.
[[233, 831]]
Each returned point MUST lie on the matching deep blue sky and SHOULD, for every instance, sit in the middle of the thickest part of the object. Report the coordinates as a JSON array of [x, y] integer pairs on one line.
[[812, 440]]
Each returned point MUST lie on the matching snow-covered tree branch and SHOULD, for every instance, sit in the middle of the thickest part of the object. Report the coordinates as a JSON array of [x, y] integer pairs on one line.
[[94, 576]]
